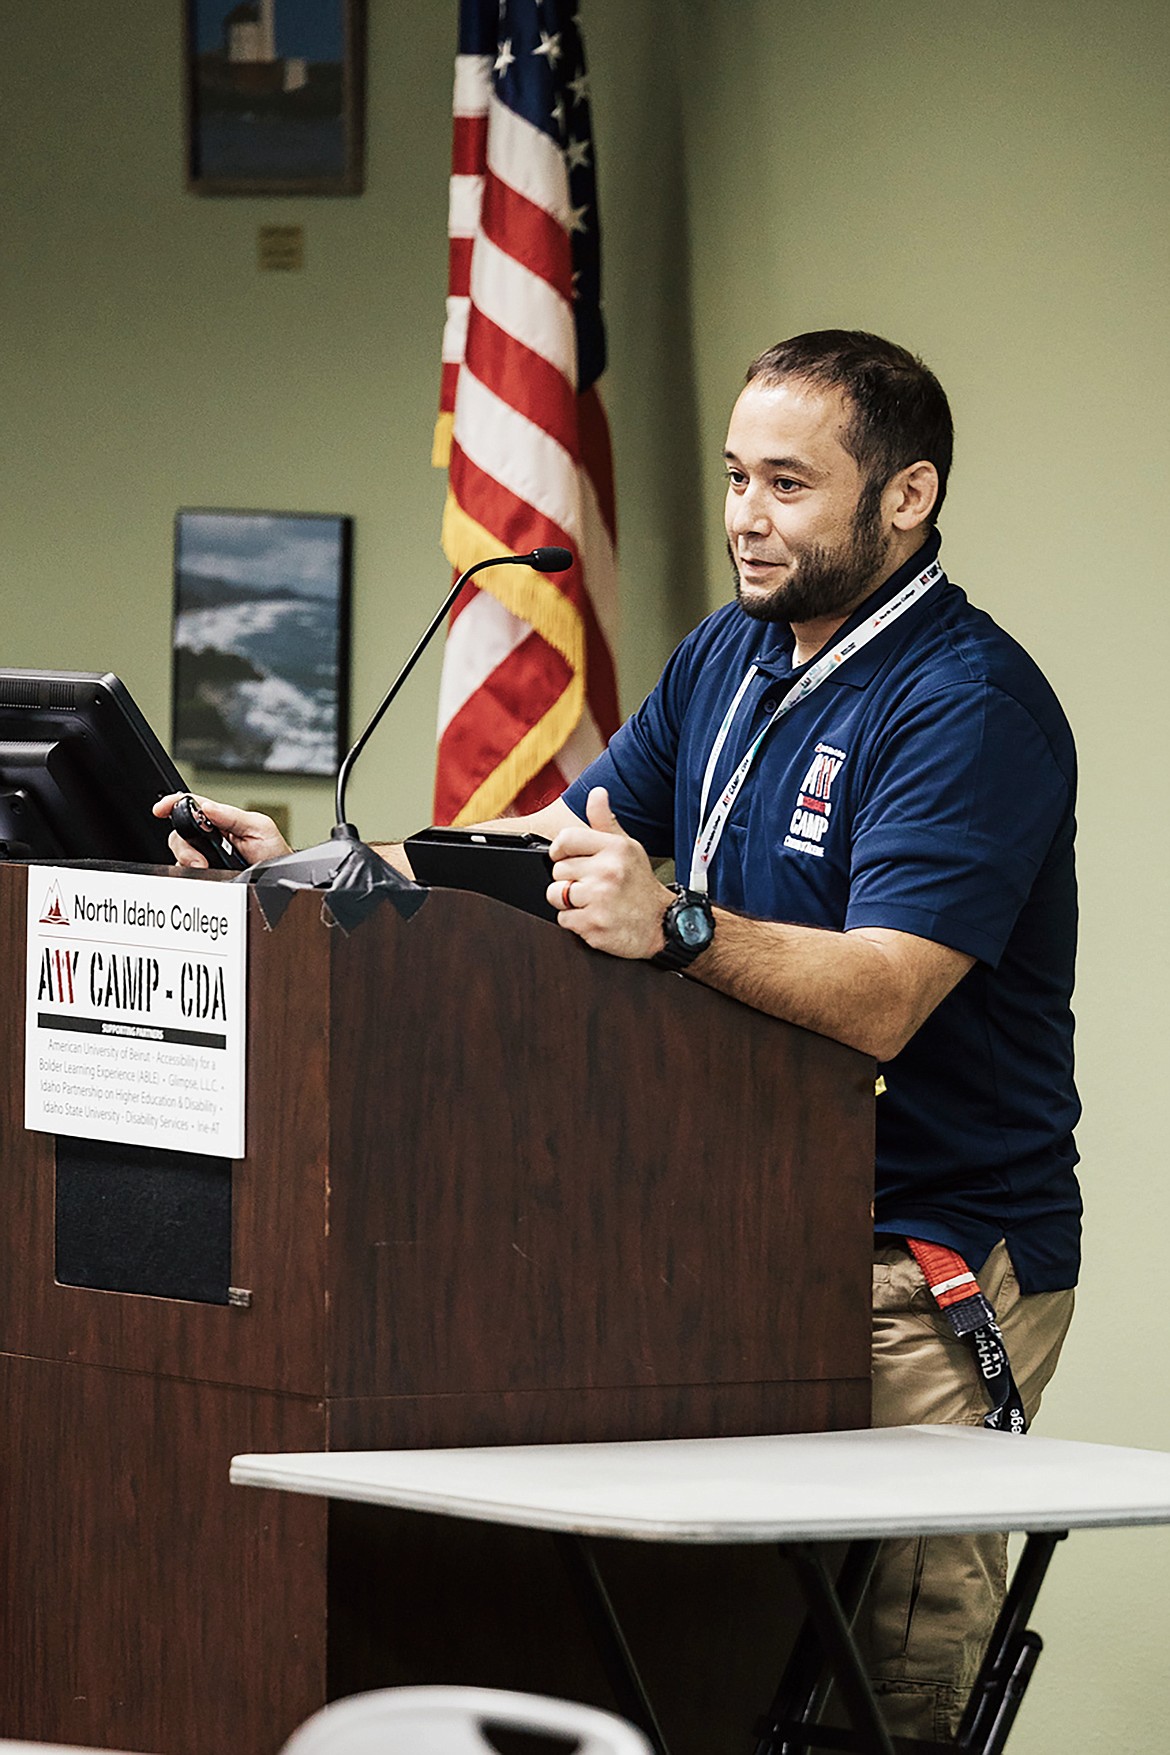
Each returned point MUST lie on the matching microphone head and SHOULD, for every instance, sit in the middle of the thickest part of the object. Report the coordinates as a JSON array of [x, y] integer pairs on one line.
[[550, 560]]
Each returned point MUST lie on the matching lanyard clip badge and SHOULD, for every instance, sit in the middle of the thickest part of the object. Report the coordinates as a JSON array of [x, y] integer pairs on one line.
[[971, 1316]]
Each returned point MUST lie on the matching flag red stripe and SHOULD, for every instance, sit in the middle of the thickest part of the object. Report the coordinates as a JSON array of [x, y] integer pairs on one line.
[[459, 267], [488, 726], [600, 670], [519, 527], [469, 146], [527, 233], [517, 523], [522, 687], [523, 379]]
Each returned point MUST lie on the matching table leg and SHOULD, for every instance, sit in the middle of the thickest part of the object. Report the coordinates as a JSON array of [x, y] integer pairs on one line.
[[805, 1684], [1011, 1655], [825, 1652], [609, 1640], [833, 1629]]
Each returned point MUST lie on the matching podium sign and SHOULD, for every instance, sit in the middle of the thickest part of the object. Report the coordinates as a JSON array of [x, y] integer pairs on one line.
[[135, 1010]]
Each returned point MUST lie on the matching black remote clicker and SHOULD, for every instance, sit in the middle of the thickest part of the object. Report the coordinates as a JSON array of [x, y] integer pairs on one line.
[[198, 830]]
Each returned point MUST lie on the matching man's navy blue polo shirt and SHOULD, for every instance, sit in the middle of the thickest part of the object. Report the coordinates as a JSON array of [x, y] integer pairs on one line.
[[928, 785]]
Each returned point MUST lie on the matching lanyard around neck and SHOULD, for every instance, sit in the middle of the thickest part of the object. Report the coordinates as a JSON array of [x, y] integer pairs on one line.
[[710, 831]]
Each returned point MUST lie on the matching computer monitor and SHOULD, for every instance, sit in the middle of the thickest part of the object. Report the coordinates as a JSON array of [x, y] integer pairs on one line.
[[80, 769]]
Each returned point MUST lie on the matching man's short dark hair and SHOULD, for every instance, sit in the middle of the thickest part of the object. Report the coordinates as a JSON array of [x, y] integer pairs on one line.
[[900, 413]]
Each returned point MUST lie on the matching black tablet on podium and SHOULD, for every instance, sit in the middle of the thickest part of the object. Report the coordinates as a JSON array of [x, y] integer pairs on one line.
[[512, 868]]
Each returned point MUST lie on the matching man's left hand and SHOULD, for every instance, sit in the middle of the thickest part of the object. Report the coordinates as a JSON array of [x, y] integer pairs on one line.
[[603, 887]]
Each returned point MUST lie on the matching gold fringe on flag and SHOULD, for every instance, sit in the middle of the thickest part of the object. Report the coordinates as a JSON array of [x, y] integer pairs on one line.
[[533, 598]]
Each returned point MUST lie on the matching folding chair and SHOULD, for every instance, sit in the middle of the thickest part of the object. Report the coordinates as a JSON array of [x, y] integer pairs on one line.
[[452, 1721]]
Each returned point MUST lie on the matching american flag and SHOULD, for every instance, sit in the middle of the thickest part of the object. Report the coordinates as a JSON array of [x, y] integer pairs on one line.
[[529, 693]]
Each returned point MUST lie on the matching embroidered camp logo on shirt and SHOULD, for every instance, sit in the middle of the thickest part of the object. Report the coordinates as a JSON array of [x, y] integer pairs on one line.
[[814, 806]]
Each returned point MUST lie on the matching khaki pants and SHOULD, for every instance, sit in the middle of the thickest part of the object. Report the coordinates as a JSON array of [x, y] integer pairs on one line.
[[933, 1602]]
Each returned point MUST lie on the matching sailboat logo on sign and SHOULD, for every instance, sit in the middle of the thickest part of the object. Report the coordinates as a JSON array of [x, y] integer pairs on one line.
[[53, 913]]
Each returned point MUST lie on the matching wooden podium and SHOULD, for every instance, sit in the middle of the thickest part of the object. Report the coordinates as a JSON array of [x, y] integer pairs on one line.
[[498, 1189]]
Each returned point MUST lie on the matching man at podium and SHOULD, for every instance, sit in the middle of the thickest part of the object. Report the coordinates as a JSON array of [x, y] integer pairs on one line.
[[867, 789]]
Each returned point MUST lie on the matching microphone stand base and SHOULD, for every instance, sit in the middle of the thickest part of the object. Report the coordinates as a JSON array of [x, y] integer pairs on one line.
[[351, 878]]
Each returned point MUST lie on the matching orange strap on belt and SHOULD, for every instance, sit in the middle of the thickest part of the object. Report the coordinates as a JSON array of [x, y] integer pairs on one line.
[[956, 1291], [948, 1277]]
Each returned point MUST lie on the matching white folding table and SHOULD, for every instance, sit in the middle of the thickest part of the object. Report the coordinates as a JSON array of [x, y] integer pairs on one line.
[[796, 1490]]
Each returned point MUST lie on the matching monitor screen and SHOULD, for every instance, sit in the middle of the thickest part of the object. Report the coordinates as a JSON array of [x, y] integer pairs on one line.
[[79, 770]]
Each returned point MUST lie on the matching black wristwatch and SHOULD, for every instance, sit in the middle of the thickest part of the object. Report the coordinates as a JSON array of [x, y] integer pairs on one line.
[[688, 927]]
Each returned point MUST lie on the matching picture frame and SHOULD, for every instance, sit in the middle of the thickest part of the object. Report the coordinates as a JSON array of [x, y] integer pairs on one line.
[[275, 96], [261, 641]]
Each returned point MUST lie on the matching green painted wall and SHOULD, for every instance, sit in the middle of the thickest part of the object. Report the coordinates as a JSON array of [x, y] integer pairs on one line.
[[986, 183]]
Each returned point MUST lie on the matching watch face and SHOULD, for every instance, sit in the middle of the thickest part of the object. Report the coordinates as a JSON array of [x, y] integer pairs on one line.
[[692, 926]]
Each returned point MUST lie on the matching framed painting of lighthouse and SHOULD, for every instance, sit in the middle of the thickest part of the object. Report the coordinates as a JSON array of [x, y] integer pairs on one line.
[[275, 97]]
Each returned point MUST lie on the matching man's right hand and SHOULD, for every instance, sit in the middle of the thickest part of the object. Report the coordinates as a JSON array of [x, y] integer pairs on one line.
[[254, 836]]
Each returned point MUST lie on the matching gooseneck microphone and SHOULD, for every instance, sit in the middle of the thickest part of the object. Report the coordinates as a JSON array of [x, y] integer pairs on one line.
[[544, 560], [350, 873]]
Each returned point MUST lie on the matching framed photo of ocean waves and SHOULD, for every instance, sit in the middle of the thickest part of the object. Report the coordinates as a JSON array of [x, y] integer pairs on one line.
[[261, 641]]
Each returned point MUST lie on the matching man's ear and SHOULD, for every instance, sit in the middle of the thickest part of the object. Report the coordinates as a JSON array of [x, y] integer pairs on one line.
[[910, 495]]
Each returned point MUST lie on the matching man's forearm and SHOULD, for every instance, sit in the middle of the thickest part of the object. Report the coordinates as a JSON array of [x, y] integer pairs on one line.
[[870, 990]]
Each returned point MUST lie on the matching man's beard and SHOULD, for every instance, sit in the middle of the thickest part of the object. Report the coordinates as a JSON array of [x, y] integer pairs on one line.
[[825, 581]]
